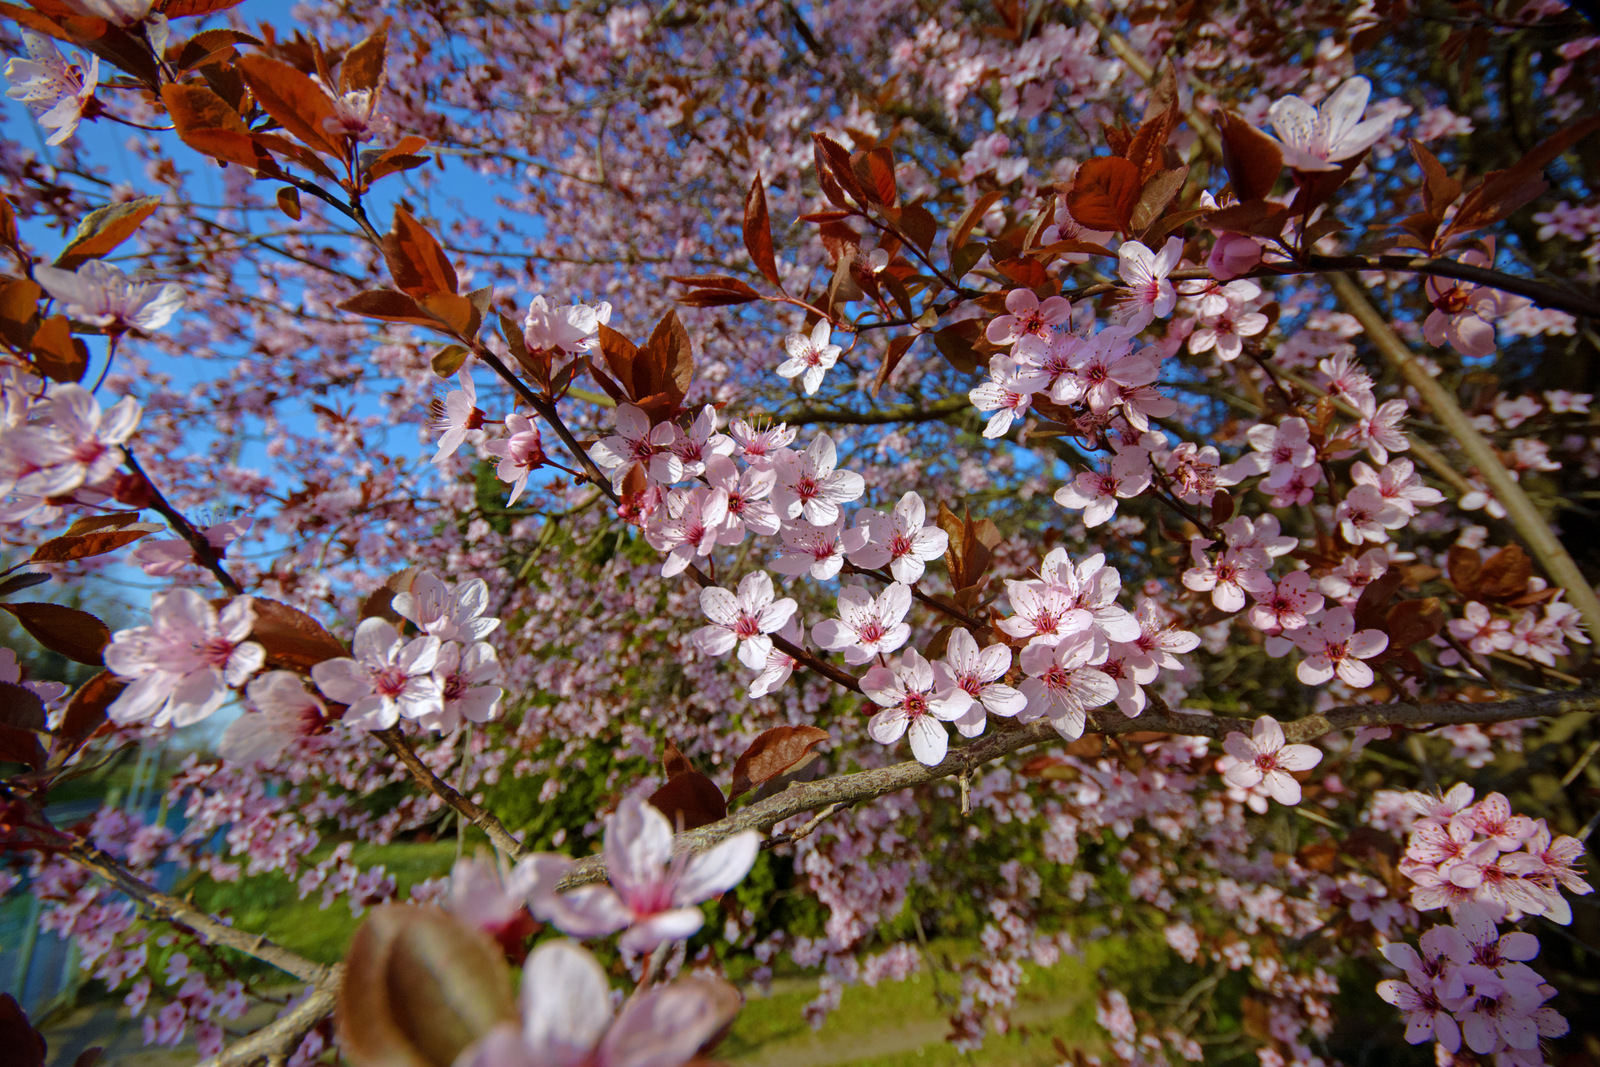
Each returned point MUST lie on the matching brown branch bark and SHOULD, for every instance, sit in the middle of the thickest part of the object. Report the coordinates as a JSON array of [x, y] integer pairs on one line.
[[475, 813], [170, 909], [279, 1038], [848, 789]]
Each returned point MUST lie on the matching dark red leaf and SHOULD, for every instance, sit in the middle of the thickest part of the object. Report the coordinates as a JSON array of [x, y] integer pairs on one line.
[[758, 231], [690, 800], [779, 750]]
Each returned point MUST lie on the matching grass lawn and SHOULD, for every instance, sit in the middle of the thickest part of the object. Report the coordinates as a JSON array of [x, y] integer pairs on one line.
[[890, 1025]]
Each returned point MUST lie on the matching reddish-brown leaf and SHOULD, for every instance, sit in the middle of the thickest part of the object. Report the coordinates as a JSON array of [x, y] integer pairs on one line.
[[780, 750], [104, 229], [390, 306], [1372, 605], [956, 344], [1261, 218], [715, 281], [75, 634], [918, 223], [1104, 193], [1464, 566], [875, 171], [1253, 160], [419, 266], [17, 1035], [1411, 621], [1023, 273], [1504, 191], [969, 220], [183, 9], [82, 546], [674, 762], [362, 68], [690, 800], [86, 711], [207, 124], [295, 102], [20, 707], [292, 639], [898, 347], [1505, 574], [758, 231], [666, 362], [1439, 190], [57, 354], [836, 159]]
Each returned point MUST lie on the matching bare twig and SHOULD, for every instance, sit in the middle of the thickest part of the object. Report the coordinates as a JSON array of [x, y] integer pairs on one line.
[[476, 814]]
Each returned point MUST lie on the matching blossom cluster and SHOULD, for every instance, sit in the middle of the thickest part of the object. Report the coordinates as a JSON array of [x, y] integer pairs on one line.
[[1471, 984], [1460, 852], [191, 657]]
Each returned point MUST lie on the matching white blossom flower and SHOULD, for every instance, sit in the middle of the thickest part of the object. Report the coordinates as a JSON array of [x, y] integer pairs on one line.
[[387, 678], [1320, 138], [809, 357], [101, 294], [57, 91], [182, 664]]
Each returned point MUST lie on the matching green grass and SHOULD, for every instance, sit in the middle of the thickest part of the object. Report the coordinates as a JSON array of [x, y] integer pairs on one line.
[[894, 1024], [897, 1024], [270, 904]]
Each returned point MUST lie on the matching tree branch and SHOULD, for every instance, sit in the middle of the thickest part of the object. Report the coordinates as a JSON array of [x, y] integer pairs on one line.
[[1541, 540], [275, 1041], [170, 909], [476, 814], [862, 786]]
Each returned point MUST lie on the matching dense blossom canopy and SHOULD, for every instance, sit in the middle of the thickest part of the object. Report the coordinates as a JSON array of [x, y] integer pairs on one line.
[[1195, 395]]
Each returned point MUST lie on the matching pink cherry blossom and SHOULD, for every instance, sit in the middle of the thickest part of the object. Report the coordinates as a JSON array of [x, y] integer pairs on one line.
[[282, 711], [1364, 515], [450, 612], [1233, 254], [72, 442], [1097, 492], [760, 448], [748, 491], [652, 892], [809, 486], [1264, 758], [1228, 577], [1481, 630], [1319, 138], [1160, 639], [636, 441], [1379, 428], [744, 620], [1007, 393], [385, 679], [901, 541], [57, 91], [184, 663], [1042, 614], [1063, 682], [693, 523], [465, 675], [1398, 483], [456, 416], [521, 453], [981, 675], [815, 550], [779, 665], [1283, 608], [1332, 646], [911, 703], [569, 328], [1148, 295], [867, 625], [101, 294], [166, 557], [810, 358], [1027, 317], [567, 1018]]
